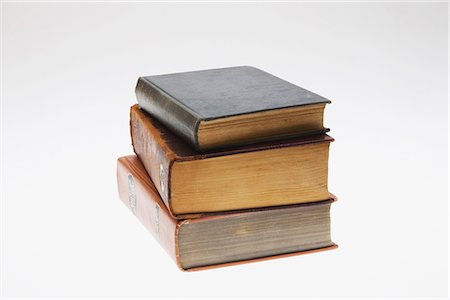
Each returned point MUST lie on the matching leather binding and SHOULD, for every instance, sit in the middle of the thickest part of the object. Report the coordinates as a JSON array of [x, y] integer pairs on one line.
[[178, 117], [135, 187], [138, 193], [158, 148], [182, 100]]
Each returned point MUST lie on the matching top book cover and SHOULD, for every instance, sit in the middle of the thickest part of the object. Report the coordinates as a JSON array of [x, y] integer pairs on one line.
[[228, 107]]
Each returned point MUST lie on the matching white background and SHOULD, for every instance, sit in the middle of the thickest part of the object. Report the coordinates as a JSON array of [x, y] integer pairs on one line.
[[69, 72]]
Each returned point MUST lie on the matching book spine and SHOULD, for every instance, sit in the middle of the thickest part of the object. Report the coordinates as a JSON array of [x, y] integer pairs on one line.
[[139, 194], [155, 155], [176, 116]]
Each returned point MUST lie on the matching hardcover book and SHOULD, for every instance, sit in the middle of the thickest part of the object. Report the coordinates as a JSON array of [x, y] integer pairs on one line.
[[214, 240], [226, 107], [286, 172]]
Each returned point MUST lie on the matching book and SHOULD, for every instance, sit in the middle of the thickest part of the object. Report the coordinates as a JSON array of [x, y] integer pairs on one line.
[[266, 174], [229, 107], [222, 239]]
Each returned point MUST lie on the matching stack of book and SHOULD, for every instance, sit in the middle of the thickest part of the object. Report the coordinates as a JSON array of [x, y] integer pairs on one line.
[[231, 166]]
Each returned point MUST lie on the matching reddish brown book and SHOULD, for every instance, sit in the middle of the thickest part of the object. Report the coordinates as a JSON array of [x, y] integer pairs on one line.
[[222, 239], [267, 174]]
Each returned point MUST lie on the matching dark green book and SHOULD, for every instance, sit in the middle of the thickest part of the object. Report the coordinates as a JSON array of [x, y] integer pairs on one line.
[[228, 107]]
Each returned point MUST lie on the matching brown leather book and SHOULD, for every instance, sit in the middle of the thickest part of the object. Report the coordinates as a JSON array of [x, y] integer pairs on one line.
[[223, 239], [277, 173]]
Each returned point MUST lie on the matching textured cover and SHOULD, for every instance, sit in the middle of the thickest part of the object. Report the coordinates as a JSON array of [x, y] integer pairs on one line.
[[158, 148], [181, 100], [138, 193]]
